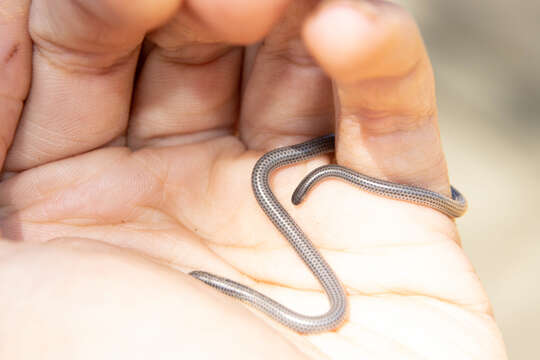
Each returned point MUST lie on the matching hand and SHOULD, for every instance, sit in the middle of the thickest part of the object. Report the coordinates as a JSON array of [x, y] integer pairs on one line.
[[128, 176]]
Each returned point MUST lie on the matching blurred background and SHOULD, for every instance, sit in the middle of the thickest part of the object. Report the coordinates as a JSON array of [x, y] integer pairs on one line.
[[486, 56]]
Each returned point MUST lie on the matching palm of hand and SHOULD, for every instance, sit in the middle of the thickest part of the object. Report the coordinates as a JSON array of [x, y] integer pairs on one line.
[[186, 201], [191, 206]]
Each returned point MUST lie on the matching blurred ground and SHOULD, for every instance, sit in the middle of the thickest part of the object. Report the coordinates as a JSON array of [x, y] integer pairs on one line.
[[486, 55]]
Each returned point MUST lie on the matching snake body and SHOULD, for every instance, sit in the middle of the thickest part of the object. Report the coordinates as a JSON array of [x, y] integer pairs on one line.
[[274, 159]]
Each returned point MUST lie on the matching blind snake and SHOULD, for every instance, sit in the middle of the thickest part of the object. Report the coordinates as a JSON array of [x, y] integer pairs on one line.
[[336, 315]]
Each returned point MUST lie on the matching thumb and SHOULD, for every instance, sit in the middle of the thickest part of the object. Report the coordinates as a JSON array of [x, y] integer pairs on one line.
[[384, 88]]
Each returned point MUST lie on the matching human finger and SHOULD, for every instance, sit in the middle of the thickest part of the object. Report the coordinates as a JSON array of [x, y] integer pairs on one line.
[[84, 59], [15, 68], [287, 97], [386, 114]]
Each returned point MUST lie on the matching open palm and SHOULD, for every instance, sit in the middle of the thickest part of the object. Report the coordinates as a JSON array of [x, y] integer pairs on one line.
[[160, 171]]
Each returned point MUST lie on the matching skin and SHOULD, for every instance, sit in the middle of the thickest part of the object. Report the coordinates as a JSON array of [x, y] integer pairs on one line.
[[117, 180]]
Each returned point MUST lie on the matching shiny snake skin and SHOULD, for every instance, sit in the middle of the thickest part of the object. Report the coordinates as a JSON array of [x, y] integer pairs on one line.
[[337, 313]]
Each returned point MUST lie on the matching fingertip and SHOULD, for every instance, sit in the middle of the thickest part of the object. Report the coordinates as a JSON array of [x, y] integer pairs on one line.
[[146, 14], [161, 10], [239, 21], [355, 41], [333, 34]]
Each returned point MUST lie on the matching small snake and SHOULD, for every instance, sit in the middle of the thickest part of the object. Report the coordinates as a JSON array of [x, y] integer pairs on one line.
[[335, 316]]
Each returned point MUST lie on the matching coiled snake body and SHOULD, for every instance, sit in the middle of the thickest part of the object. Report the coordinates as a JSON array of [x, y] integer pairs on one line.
[[334, 317]]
